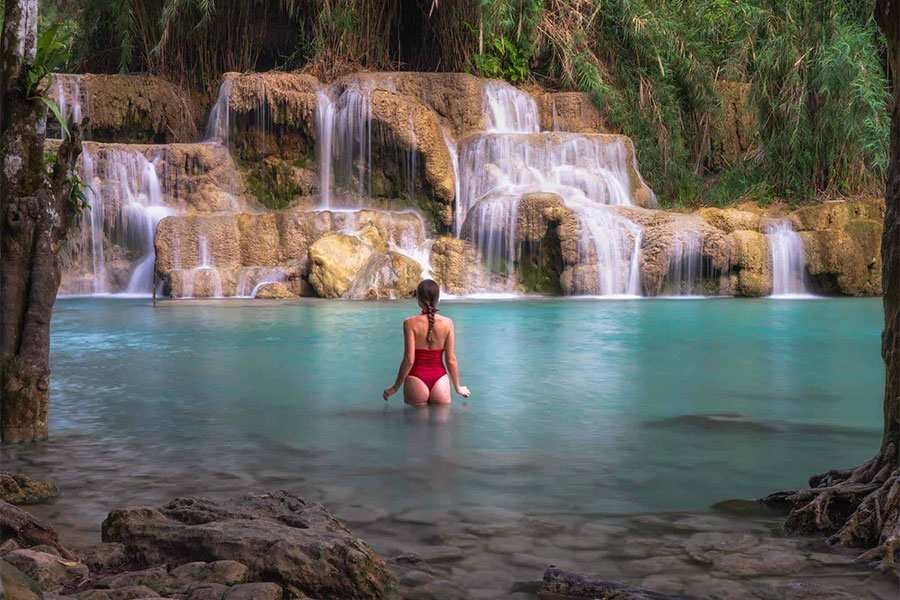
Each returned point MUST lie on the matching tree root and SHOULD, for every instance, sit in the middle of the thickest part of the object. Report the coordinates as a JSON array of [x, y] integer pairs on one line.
[[859, 507]]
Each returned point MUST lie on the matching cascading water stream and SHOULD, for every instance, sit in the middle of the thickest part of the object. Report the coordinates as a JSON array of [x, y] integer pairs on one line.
[[684, 275], [218, 125], [125, 208], [788, 264], [72, 100], [510, 110], [325, 131], [205, 269]]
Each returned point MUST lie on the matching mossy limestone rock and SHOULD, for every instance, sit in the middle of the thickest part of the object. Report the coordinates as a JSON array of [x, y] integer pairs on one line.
[[16, 488], [456, 266], [751, 263]]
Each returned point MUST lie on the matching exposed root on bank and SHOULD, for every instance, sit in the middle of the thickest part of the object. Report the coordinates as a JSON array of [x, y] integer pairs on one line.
[[859, 508]]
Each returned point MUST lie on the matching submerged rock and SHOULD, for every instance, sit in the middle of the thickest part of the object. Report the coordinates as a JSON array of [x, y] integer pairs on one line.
[[16, 488], [280, 537]]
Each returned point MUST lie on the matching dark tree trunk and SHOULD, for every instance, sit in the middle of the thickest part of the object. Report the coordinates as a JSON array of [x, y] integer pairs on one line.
[[861, 507], [35, 213]]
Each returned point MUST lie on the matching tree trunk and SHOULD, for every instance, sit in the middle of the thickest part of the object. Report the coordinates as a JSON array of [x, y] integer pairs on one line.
[[35, 212], [861, 507]]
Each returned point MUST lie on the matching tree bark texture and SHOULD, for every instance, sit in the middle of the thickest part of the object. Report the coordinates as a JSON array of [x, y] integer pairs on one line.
[[35, 213]]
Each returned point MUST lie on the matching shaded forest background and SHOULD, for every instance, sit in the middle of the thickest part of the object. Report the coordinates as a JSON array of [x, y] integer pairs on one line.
[[812, 73]]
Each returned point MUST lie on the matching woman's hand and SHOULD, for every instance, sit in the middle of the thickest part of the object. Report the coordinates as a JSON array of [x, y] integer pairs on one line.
[[463, 391], [390, 391]]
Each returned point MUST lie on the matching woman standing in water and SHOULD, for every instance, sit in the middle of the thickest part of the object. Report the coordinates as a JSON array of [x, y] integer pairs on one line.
[[427, 337]]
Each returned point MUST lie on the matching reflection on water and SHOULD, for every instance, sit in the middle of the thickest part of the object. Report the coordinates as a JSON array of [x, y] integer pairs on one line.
[[578, 407]]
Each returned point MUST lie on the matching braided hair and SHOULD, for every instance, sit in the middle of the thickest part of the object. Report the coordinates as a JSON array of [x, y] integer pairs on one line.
[[428, 293]]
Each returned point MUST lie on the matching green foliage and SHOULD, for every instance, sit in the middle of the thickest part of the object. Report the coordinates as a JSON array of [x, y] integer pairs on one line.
[[504, 59], [506, 39], [652, 66], [51, 55]]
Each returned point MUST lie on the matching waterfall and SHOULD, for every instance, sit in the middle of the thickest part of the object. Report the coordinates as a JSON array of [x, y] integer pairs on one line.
[[71, 100], [454, 159], [509, 109], [588, 173], [325, 130], [218, 127], [788, 263], [124, 207], [353, 134], [684, 275]]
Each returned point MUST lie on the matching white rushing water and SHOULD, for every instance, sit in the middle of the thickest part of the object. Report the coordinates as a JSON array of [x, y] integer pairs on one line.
[[125, 203], [218, 124], [589, 173], [510, 110], [325, 131], [788, 264], [70, 99]]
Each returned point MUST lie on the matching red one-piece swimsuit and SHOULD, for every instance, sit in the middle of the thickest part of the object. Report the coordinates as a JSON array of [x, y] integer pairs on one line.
[[429, 366]]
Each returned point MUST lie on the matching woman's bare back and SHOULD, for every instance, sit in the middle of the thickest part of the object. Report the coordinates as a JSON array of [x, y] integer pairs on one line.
[[442, 328]]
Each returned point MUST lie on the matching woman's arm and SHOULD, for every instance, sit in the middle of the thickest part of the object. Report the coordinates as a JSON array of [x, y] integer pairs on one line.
[[409, 357], [452, 365]]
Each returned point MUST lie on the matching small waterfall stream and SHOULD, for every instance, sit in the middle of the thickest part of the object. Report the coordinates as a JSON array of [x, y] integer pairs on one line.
[[788, 272], [325, 132], [684, 276], [218, 124]]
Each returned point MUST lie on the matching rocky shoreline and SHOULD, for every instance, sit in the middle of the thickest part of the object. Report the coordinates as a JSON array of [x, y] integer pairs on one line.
[[275, 545]]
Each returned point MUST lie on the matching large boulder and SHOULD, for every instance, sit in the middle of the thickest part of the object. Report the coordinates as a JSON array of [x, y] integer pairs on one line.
[[334, 261], [730, 219], [273, 291], [16, 585], [280, 538], [668, 237], [198, 240], [385, 276], [198, 178], [288, 103]]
